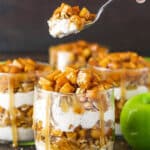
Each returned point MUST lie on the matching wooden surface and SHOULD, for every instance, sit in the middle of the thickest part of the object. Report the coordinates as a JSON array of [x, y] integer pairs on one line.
[[124, 25], [119, 145]]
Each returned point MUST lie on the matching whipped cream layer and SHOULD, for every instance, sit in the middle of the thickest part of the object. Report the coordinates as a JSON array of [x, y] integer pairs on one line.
[[130, 92], [68, 121], [20, 99], [24, 134], [61, 27], [63, 60]]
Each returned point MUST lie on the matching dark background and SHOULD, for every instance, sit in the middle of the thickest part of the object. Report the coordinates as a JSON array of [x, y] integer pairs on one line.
[[124, 25]]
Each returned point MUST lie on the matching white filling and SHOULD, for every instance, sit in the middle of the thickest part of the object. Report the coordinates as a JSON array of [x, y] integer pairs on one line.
[[68, 121], [24, 134], [130, 93], [20, 99], [63, 59], [61, 27], [108, 146]]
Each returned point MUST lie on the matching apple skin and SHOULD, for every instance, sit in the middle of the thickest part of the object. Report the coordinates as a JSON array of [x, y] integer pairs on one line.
[[135, 121]]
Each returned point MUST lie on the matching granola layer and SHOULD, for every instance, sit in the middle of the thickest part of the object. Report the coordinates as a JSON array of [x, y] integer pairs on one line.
[[80, 139], [23, 119]]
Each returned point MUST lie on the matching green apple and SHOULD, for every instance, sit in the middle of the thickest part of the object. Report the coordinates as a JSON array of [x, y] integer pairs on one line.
[[135, 121]]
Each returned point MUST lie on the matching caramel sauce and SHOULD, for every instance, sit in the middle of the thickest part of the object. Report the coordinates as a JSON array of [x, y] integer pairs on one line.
[[47, 126], [123, 91], [12, 111], [101, 110], [123, 88]]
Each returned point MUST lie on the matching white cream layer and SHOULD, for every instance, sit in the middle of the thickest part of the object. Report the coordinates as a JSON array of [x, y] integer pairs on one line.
[[131, 92], [20, 99], [68, 121], [41, 146], [63, 60], [24, 134], [61, 27]]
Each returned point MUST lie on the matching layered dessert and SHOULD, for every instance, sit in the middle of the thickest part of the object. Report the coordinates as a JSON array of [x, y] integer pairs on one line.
[[130, 74], [73, 110], [68, 19], [17, 79], [77, 53]]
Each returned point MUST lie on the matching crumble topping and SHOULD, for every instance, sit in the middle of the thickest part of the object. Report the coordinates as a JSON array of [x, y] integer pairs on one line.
[[77, 52], [23, 72], [22, 65], [68, 19], [74, 80], [120, 60]]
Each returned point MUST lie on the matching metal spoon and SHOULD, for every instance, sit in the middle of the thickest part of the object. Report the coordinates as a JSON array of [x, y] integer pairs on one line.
[[101, 9]]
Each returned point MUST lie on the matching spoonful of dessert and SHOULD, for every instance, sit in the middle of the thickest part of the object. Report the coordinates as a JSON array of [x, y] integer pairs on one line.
[[67, 19]]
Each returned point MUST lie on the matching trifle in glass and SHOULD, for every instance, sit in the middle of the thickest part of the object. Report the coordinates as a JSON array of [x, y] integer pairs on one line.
[[74, 53], [130, 75], [73, 110], [17, 79]]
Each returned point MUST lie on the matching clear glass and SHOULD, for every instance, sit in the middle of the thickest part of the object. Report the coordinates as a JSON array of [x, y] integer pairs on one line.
[[127, 83], [16, 105], [57, 59], [61, 58], [73, 122]]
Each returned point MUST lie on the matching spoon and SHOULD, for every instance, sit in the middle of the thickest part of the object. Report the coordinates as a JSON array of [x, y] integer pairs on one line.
[[101, 9]]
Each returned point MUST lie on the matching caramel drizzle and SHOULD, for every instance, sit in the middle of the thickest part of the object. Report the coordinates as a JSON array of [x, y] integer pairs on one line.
[[12, 112], [123, 88], [101, 110], [47, 126]]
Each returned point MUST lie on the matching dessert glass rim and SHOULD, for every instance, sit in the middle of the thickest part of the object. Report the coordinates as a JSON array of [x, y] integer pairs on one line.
[[29, 72], [146, 68], [18, 73], [104, 91]]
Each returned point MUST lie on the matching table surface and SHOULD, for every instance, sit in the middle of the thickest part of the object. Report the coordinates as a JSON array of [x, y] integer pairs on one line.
[[120, 144]]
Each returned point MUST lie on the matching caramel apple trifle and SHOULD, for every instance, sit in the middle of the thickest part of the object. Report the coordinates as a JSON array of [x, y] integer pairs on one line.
[[68, 19], [73, 110], [77, 53], [129, 73], [17, 78]]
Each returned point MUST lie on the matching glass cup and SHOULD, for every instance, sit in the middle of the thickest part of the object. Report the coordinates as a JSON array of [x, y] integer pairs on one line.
[[73, 121], [74, 53], [127, 83], [16, 105]]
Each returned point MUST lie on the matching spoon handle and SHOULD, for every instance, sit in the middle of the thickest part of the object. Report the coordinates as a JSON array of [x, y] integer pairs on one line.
[[101, 10]]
